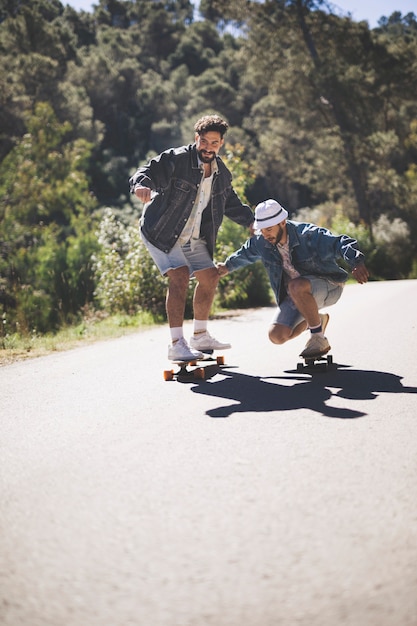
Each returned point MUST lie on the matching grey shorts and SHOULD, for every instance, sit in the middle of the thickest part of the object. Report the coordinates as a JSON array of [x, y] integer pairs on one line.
[[196, 259], [325, 294]]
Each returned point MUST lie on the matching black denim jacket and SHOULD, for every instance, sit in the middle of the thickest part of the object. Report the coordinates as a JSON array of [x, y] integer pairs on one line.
[[174, 176]]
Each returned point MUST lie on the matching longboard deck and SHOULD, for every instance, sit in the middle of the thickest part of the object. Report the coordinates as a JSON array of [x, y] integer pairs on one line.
[[198, 371]]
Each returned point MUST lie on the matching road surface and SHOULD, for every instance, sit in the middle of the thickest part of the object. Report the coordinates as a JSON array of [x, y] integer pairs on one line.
[[259, 497]]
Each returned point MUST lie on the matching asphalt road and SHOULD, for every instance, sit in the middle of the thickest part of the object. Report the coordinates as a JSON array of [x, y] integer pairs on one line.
[[260, 497]]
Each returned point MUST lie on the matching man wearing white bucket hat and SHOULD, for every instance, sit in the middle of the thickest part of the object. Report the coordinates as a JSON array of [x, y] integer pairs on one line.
[[301, 261]]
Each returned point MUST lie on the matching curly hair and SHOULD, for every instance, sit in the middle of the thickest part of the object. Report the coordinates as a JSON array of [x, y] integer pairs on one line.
[[211, 123]]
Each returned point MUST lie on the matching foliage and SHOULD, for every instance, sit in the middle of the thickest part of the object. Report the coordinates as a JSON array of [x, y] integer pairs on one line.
[[127, 280], [392, 257], [322, 113], [387, 247], [45, 228]]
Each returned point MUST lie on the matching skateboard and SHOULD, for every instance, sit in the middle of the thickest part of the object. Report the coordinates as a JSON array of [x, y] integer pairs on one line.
[[198, 371], [315, 363]]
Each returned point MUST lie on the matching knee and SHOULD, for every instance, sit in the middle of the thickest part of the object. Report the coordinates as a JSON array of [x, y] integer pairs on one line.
[[279, 334], [179, 278], [208, 278], [298, 287]]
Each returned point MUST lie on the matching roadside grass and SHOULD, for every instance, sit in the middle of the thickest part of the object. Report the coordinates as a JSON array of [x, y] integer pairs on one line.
[[15, 347]]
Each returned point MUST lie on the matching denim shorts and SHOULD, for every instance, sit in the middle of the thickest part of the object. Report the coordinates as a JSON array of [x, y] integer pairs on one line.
[[195, 259], [325, 294]]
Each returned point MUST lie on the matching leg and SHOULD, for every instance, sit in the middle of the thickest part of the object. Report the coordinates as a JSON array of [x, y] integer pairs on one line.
[[308, 295], [207, 281], [280, 333], [177, 295], [287, 324], [300, 290], [201, 266], [203, 299], [302, 296], [178, 280], [301, 310], [173, 265]]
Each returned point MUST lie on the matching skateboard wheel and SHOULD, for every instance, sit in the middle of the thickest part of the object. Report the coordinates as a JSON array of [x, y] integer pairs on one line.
[[199, 373], [329, 359], [193, 362], [168, 374], [220, 360], [300, 367]]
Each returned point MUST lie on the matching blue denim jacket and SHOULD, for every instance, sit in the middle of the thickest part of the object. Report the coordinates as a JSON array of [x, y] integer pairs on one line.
[[314, 251], [175, 176]]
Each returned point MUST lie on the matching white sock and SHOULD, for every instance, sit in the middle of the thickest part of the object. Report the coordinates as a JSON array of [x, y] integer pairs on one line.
[[176, 333], [200, 326], [314, 330]]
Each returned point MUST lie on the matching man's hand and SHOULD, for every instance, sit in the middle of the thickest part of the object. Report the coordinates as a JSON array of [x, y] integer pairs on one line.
[[143, 193], [222, 269], [360, 273]]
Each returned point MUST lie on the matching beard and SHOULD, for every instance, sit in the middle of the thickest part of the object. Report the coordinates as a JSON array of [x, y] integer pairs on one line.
[[277, 238], [206, 157]]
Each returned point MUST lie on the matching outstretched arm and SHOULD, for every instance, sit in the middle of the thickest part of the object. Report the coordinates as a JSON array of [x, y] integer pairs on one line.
[[247, 254]]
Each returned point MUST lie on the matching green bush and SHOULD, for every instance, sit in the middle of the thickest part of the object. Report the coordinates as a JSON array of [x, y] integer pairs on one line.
[[387, 246], [393, 257], [33, 312], [127, 280]]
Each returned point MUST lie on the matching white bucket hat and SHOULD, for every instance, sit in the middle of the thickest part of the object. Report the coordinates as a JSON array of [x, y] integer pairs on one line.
[[269, 213]]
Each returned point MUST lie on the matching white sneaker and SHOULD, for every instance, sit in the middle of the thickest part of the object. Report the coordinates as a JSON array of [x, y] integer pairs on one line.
[[316, 346], [180, 351], [204, 341]]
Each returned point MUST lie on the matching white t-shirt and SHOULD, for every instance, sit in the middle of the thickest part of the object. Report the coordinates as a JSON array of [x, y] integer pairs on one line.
[[191, 230]]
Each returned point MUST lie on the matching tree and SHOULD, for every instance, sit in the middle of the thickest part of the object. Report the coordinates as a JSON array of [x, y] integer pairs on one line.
[[35, 46], [46, 226], [328, 87], [322, 108]]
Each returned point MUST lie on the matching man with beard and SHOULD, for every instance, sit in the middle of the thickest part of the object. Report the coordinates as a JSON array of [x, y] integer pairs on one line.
[[302, 264], [187, 191]]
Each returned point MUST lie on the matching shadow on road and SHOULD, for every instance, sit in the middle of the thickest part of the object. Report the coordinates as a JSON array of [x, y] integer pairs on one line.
[[256, 394]]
